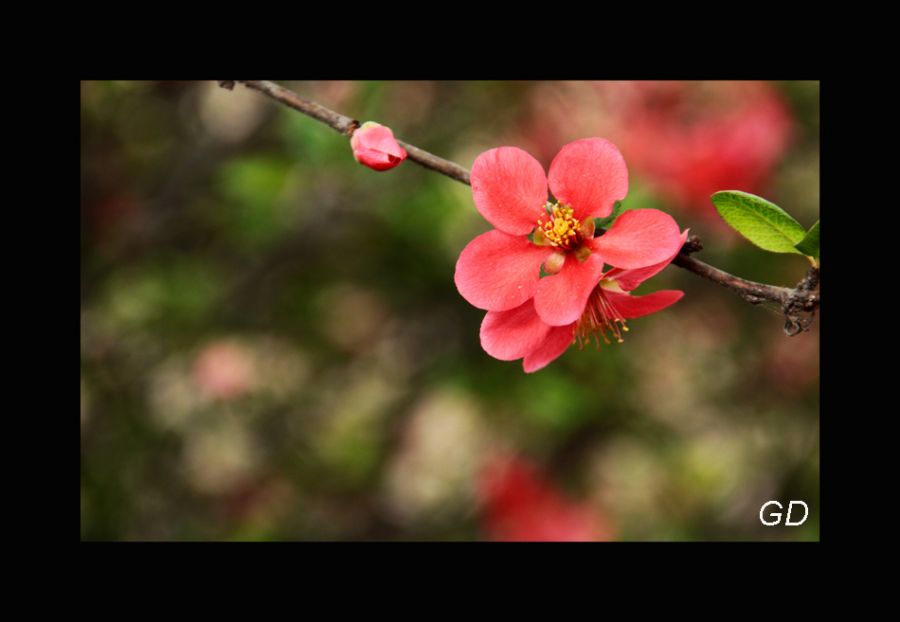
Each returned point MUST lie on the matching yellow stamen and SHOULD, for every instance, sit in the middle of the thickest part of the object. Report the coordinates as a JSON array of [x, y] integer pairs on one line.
[[562, 228]]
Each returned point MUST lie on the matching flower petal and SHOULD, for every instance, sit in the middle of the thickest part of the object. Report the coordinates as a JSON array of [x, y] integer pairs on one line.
[[589, 175], [631, 279], [509, 188], [510, 335], [638, 306], [639, 238], [376, 160], [560, 298], [557, 341], [497, 271]]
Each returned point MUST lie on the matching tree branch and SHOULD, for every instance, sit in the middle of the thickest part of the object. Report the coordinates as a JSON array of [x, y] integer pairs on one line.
[[346, 125], [798, 304]]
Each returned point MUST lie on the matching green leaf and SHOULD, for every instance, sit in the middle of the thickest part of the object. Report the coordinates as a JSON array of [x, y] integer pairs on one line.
[[606, 222], [760, 221], [809, 245]]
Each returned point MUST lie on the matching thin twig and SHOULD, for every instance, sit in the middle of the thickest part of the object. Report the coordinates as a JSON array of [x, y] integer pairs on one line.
[[346, 125], [798, 304], [750, 291]]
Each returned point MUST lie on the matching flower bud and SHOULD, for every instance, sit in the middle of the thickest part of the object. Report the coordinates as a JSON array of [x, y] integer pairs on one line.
[[374, 146], [554, 263]]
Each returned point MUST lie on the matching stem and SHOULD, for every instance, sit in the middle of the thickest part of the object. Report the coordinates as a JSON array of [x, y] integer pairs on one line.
[[346, 125], [798, 304], [748, 290]]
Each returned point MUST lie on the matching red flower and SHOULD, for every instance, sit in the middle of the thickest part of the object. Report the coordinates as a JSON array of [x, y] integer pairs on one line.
[[520, 505], [500, 270], [374, 146], [693, 139], [521, 333]]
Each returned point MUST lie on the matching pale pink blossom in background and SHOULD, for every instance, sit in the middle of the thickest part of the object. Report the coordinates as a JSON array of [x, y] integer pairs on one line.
[[224, 370]]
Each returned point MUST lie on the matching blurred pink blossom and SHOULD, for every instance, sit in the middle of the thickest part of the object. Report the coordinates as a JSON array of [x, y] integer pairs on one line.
[[224, 370], [520, 505], [692, 145], [688, 139]]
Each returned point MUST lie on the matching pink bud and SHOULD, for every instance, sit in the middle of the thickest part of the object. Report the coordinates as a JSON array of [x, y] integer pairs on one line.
[[374, 145], [554, 262]]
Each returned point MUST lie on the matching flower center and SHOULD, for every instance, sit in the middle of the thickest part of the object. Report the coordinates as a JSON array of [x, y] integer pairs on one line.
[[600, 317], [561, 229]]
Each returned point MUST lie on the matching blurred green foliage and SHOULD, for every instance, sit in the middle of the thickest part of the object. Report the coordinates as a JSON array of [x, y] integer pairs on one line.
[[273, 347]]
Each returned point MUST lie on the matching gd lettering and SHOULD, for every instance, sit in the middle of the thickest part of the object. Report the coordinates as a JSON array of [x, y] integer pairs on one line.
[[769, 517]]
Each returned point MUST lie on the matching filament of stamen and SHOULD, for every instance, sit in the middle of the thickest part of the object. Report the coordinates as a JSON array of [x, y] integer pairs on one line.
[[599, 318]]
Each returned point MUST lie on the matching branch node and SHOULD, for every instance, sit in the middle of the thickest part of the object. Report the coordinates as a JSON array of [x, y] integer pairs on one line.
[[801, 303], [751, 298], [810, 281], [352, 127], [795, 324], [692, 245]]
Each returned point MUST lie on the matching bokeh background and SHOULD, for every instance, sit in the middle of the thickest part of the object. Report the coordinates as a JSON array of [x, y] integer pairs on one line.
[[272, 346]]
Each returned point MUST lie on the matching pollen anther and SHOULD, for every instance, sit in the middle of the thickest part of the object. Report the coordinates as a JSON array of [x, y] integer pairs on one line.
[[562, 229]]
